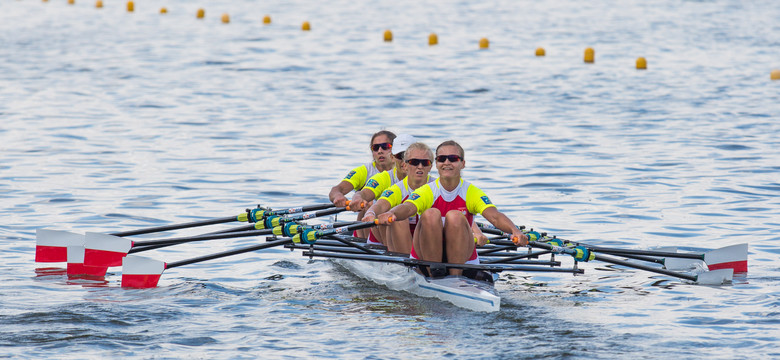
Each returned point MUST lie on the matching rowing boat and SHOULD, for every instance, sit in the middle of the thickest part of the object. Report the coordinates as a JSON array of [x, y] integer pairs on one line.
[[459, 290]]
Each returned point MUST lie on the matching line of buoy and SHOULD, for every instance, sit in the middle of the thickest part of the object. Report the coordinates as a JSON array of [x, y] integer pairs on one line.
[[201, 13], [130, 6], [225, 18], [99, 4], [267, 19], [163, 10], [388, 36], [433, 39], [775, 75], [306, 26], [641, 63], [590, 55], [540, 51], [71, 2]]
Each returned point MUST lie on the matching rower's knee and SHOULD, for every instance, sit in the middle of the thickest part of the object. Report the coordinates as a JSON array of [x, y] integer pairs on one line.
[[430, 217], [455, 217]]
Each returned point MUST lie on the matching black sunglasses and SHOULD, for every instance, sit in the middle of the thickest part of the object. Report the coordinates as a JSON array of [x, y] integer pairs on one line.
[[384, 146], [451, 158], [415, 162], [400, 155]]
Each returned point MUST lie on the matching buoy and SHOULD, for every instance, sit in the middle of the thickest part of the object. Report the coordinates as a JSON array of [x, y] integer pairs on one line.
[[201, 13], [775, 75], [45, 0], [163, 10], [71, 2], [589, 55], [484, 43], [433, 39], [225, 18], [99, 4], [130, 6], [540, 51], [267, 19], [641, 63], [305, 26], [388, 35]]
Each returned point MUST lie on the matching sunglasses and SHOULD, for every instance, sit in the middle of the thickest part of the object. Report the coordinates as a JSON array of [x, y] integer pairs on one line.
[[399, 156], [384, 146], [451, 158], [415, 162]]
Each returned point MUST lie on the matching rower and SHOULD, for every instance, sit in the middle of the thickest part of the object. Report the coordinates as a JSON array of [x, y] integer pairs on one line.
[[418, 161], [381, 150], [447, 207]]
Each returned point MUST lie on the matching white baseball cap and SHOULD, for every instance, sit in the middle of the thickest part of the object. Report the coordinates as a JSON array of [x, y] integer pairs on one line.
[[402, 142]]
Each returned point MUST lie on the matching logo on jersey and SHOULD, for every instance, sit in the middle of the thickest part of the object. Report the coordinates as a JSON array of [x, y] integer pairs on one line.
[[387, 193], [351, 174], [486, 200], [414, 196], [372, 183]]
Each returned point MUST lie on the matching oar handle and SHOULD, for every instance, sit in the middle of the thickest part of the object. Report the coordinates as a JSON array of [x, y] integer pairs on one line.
[[177, 226], [310, 236]]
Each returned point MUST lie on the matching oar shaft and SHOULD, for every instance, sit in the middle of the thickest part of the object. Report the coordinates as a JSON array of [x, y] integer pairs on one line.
[[204, 237], [177, 226], [229, 253]]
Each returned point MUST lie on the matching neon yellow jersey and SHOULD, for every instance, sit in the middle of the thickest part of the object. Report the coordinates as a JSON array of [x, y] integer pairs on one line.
[[399, 191], [466, 198], [380, 182], [359, 175]]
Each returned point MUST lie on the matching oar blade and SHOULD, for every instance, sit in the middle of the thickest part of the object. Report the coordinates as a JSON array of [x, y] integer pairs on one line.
[[105, 250], [76, 265], [729, 257], [141, 272], [715, 277], [52, 245]]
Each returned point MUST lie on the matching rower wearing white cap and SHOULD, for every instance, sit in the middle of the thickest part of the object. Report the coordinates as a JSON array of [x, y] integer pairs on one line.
[[383, 180]]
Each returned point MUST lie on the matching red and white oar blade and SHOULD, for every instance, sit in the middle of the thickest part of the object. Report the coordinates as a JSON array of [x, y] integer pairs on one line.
[[76, 265], [105, 250], [729, 257], [141, 272], [715, 277], [52, 245]]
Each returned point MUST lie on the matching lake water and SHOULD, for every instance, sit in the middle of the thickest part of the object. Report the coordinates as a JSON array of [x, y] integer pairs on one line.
[[111, 121]]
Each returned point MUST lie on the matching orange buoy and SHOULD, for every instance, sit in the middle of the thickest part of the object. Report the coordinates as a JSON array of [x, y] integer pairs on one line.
[[433, 39], [590, 55], [641, 63], [225, 18], [388, 35], [130, 6], [267, 19], [540, 51], [99, 4], [484, 43], [71, 2], [306, 26], [163, 10], [201, 13], [775, 75]]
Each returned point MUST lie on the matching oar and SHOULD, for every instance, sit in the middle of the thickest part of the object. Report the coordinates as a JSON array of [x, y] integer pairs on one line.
[[51, 245], [729, 257], [141, 272]]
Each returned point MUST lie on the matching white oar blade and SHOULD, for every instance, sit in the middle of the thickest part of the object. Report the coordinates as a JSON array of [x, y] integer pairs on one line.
[[682, 264], [52, 245], [105, 250], [141, 272], [76, 265], [729, 257], [715, 277]]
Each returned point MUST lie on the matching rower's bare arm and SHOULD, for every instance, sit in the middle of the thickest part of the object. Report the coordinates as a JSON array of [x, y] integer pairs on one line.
[[502, 222], [402, 211], [337, 192], [380, 207], [480, 238]]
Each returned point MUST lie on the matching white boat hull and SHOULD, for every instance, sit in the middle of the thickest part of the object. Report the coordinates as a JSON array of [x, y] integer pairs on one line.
[[459, 290]]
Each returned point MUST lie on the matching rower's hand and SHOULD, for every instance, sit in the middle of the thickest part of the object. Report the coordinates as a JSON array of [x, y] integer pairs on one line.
[[369, 217], [357, 203], [386, 218], [481, 239], [340, 200], [519, 238]]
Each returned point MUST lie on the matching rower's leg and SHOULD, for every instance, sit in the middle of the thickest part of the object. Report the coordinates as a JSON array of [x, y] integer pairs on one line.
[[427, 240], [458, 239], [400, 237]]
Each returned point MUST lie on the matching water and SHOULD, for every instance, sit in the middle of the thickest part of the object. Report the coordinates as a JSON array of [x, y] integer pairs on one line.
[[114, 121]]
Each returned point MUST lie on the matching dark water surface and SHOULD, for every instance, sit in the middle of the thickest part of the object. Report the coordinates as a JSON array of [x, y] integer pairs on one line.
[[111, 121]]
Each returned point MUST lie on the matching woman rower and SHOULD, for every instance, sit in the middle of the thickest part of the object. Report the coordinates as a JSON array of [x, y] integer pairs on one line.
[[381, 150], [447, 208], [397, 236]]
